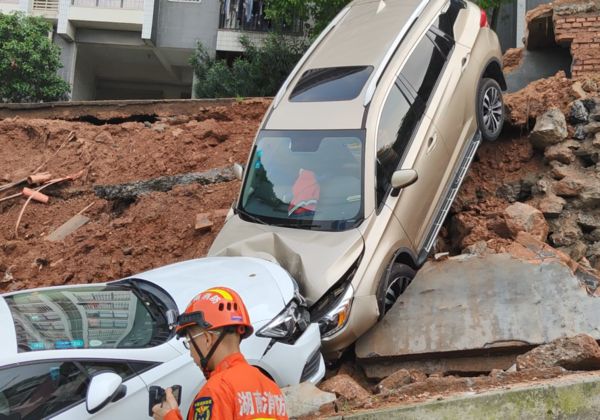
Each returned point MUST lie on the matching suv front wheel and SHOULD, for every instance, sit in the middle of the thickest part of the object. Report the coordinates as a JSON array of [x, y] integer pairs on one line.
[[490, 109], [393, 285]]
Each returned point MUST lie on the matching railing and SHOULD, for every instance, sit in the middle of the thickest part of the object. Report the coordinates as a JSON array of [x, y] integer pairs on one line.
[[110, 4], [45, 5], [235, 16]]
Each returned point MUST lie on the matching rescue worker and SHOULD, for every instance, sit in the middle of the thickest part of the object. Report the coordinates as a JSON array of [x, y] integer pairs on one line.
[[213, 326]]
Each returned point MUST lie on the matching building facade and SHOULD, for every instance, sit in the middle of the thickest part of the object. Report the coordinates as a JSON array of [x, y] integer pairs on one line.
[[140, 49]]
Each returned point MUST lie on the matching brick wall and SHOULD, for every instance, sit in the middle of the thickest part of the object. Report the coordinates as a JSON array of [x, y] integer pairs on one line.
[[583, 33]]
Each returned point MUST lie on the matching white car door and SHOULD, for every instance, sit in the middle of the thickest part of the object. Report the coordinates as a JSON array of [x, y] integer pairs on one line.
[[133, 406], [178, 371]]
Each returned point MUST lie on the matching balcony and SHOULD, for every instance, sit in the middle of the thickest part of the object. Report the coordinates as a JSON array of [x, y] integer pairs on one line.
[[125, 15], [248, 15], [110, 4], [45, 8], [43, 5]]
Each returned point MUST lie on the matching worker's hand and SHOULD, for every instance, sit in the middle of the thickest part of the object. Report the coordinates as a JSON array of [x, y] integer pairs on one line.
[[159, 411]]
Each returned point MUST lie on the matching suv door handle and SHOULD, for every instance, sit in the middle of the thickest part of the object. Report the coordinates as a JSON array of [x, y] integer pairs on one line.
[[431, 142], [463, 62]]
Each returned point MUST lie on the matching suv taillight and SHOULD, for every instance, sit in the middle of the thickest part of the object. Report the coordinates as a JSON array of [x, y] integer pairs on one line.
[[483, 19]]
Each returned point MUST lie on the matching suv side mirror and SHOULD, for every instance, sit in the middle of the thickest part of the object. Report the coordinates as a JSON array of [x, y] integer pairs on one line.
[[105, 387], [238, 171], [404, 178]]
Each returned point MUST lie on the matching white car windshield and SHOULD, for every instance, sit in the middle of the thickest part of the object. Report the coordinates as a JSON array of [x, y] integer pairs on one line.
[[305, 179], [105, 316]]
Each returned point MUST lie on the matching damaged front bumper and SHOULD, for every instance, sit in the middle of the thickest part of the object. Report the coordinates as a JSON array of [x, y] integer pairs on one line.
[[303, 359]]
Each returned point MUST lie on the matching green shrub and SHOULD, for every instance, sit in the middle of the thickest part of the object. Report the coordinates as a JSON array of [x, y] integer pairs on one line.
[[29, 61]]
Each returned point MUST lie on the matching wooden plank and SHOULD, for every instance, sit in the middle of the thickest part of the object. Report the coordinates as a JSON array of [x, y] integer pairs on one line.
[[67, 228]]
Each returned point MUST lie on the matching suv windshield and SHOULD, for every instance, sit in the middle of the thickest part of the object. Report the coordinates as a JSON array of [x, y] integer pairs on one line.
[[305, 179], [107, 316]]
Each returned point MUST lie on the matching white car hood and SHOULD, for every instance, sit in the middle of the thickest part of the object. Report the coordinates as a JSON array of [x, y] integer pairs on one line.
[[263, 286]]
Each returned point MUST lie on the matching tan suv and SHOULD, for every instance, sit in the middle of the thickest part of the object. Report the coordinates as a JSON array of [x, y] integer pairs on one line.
[[358, 159]]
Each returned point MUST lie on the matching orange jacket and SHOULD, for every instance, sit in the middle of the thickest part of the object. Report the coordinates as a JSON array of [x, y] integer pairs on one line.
[[306, 192], [236, 390]]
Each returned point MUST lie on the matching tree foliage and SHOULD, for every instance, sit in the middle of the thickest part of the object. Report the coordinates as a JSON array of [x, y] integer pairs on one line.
[[493, 6], [260, 72], [28, 61], [318, 13]]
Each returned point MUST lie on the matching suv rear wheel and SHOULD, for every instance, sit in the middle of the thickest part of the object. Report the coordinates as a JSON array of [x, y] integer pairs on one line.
[[490, 109], [395, 283]]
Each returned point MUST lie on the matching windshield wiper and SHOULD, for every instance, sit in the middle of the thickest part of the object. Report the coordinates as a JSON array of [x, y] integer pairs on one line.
[[249, 216], [144, 295], [297, 225]]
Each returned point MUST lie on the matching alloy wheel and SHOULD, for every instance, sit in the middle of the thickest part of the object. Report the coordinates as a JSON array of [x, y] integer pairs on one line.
[[492, 109]]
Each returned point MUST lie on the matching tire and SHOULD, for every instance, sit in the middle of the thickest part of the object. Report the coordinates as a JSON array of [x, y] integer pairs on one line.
[[490, 109], [393, 285]]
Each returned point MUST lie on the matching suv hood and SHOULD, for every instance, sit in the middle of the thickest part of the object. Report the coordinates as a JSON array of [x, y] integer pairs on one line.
[[316, 260]]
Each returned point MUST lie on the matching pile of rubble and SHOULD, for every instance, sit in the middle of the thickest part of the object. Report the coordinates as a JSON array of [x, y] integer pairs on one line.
[[349, 390], [557, 200]]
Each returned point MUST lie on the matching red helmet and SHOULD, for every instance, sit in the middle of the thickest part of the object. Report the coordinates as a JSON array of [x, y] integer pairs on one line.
[[216, 308]]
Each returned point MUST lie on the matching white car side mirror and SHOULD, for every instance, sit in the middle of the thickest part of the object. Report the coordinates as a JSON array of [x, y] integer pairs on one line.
[[104, 388], [238, 171], [404, 178]]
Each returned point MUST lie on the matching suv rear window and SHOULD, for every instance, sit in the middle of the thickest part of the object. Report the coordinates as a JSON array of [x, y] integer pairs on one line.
[[87, 317], [331, 84]]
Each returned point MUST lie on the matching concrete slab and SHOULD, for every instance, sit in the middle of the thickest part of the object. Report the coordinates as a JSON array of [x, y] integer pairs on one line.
[[488, 302], [472, 365]]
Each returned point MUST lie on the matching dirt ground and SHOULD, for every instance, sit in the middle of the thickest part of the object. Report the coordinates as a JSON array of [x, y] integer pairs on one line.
[[121, 238]]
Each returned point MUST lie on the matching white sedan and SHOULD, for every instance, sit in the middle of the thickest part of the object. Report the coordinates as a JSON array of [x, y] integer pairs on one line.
[[92, 351]]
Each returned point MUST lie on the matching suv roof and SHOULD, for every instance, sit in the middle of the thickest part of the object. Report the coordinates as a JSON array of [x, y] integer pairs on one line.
[[364, 36]]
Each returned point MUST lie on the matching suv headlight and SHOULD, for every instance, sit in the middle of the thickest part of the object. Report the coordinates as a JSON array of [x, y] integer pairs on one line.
[[333, 311], [289, 324]]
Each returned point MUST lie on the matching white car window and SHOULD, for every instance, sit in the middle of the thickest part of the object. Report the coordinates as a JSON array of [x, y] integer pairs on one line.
[[42, 389], [38, 390]]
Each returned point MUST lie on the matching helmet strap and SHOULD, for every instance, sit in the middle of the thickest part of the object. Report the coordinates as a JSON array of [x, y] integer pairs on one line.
[[205, 359]]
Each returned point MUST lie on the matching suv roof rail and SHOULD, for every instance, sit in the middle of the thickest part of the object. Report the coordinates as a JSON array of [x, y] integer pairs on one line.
[[390, 52], [308, 53]]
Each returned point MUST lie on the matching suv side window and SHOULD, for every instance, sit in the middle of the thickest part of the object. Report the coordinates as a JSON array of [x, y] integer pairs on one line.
[[399, 119], [38, 390], [424, 66], [446, 19]]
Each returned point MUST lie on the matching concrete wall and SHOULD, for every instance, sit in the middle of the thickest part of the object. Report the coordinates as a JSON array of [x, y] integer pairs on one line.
[[106, 89], [10, 7], [108, 37], [68, 58], [507, 23], [182, 24], [84, 85]]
